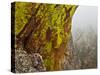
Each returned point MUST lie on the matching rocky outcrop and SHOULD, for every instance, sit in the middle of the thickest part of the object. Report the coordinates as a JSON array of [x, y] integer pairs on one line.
[[25, 62], [46, 34]]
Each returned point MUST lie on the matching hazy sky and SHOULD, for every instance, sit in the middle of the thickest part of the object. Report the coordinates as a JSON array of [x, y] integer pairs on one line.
[[85, 18]]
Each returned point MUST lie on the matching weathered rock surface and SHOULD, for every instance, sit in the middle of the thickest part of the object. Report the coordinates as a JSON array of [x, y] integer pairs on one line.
[[24, 62]]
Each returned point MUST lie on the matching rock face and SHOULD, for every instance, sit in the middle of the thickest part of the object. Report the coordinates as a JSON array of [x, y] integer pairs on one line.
[[71, 59], [28, 63], [45, 35], [38, 62], [25, 62]]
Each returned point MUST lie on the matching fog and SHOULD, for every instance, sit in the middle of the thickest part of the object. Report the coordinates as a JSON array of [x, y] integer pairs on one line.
[[84, 33], [84, 20]]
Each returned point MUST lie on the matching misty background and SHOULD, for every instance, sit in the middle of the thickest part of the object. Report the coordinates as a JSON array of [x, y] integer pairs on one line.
[[84, 33]]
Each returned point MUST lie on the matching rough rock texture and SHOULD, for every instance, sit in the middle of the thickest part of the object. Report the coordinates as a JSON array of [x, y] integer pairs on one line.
[[25, 62], [71, 59], [46, 33]]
